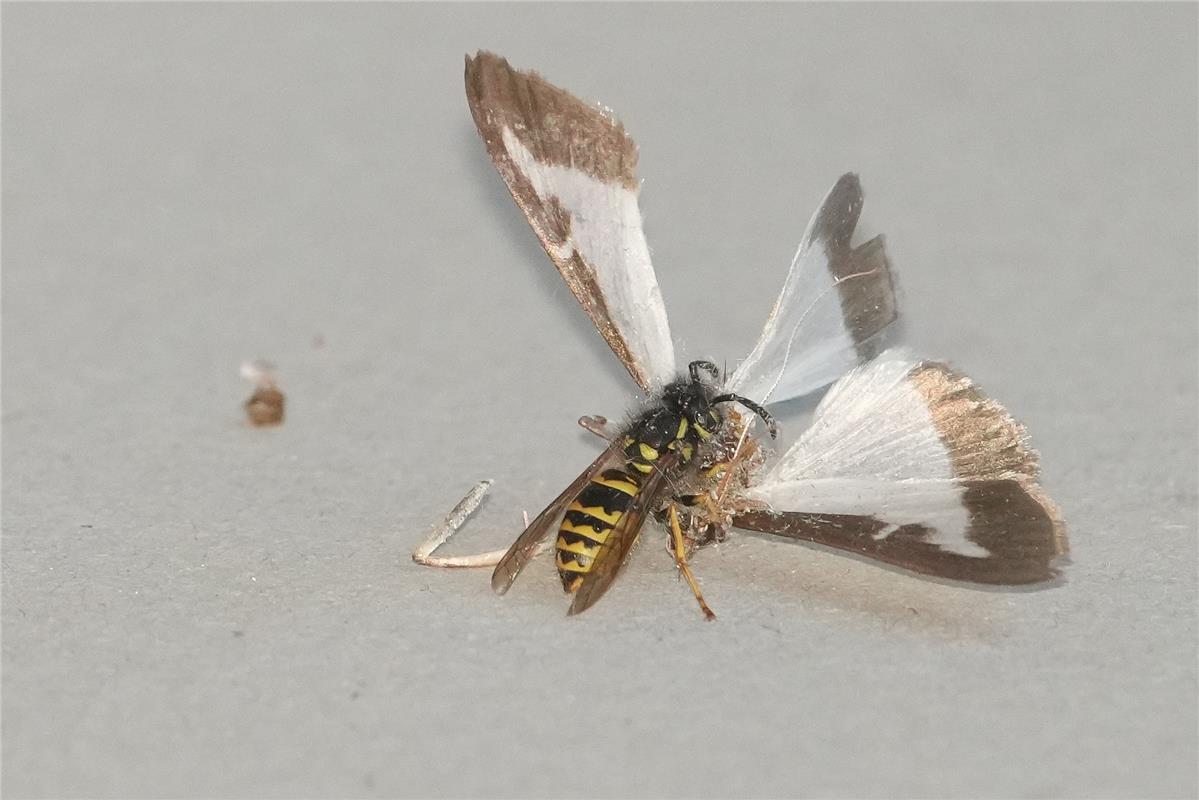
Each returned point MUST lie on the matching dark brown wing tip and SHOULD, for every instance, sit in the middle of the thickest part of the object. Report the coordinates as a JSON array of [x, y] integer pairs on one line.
[[485, 60], [476, 66], [864, 273], [838, 215], [485, 76], [481, 56], [849, 183], [983, 438], [1039, 496], [557, 126], [1011, 518]]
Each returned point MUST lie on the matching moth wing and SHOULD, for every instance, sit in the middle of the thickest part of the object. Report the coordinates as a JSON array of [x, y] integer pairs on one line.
[[989, 531], [525, 546], [833, 309], [907, 462], [615, 549], [571, 168]]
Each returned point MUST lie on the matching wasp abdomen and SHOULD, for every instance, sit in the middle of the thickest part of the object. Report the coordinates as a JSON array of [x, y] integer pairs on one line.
[[589, 521], [591, 516]]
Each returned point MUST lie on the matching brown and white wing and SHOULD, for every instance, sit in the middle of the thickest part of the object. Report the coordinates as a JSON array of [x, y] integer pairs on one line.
[[835, 305], [525, 547], [571, 168], [909, 463]]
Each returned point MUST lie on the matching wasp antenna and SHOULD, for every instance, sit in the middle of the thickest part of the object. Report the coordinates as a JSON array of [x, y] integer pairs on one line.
[[771, 425]]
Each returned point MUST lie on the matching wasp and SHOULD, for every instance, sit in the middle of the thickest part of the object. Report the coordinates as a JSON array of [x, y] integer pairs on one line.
[[670, 444]]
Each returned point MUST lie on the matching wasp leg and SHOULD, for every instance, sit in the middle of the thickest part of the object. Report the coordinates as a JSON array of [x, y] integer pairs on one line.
[[695, 535], [423, 554], [680, 559]]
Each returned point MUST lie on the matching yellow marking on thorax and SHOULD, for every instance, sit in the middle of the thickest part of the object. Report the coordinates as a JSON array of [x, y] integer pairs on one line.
[[628, 487], [597, 512], [645, 468], [682, 428], [702, 431], [584, 530], [647, 452]]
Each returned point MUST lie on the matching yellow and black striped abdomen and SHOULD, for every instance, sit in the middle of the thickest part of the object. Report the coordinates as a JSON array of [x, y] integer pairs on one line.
[[589, 521]]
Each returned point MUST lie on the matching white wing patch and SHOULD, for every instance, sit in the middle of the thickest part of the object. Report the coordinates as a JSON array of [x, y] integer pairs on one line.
[[571, 169], [834, 305], [909, 463], [935, 505], [605, 231], [873, 449], [873, 423]]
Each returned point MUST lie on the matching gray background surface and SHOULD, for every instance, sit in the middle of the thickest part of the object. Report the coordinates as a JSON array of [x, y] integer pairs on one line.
[[195, 607]]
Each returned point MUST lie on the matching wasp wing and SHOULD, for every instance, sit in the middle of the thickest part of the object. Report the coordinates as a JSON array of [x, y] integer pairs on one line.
[[525, 546], [615, 549], [571, 168], [834, 307], [907, 462]]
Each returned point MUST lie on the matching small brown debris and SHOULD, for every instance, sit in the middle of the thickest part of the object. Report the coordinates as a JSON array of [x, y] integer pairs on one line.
[[265, 406]]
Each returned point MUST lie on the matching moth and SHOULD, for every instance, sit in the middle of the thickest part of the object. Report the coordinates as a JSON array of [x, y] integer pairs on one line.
[[906, 462]]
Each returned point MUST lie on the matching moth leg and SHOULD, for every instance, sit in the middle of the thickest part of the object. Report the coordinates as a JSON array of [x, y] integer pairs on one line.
[[423, 554], [599, 426], [744, 451], [680, 559]]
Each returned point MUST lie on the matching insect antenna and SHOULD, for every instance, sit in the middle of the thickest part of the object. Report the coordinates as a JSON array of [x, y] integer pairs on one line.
[[752, 406]]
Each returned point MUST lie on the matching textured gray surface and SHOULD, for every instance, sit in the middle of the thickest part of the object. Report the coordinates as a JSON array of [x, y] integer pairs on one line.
[[193, 607]]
